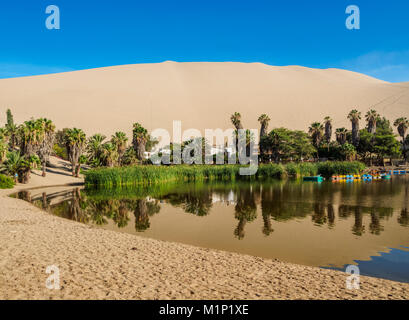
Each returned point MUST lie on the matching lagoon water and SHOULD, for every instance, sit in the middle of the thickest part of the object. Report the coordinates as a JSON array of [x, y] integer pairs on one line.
[[325, 224]]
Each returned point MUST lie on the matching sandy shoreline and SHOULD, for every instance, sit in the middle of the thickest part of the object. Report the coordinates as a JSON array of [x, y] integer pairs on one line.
[[102, 264]]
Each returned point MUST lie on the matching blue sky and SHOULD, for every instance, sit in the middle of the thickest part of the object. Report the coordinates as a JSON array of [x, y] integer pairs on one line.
[[293, 32]]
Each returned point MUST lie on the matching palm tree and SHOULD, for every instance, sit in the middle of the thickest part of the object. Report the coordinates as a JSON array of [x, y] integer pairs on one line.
[[12, 164], [3, 150], [4, 135], [402, 124], [316, 132], [46, 142], [236, 120], [119, 139], [341, 135], [95, 148], [328, 129], [264, 120], [30, 134], [140, 138], [110, 154], [18, 165], [355, 116], [12, 131], [371, 118], [75, 141]]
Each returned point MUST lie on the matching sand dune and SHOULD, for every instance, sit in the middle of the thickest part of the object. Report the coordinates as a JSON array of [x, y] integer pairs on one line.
[[202, 95]]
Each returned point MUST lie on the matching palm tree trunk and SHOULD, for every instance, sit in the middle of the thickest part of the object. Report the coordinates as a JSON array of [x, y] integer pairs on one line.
[[73, 165], [141, 151], [77, 170], [44, 165]]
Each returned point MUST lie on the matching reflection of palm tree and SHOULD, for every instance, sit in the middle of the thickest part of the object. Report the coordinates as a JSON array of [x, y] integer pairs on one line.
[[239, 231], [45, 205], [121, 217], [319, 216], [358, 229], [143, 210], [75, 209], [197, 203], [97, 210], [246, 211], [266, 210], [267, 228], [331, 215], [24, 195], [141, 215], [375, 225], [404, 217], [344, 211], [98, 218]]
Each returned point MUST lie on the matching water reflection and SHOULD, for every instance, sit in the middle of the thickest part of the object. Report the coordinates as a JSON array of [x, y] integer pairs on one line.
[[278, 202], [308, 223]]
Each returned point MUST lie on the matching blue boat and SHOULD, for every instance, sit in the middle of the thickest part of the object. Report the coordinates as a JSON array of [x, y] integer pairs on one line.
[[314, 179], [367, 177]]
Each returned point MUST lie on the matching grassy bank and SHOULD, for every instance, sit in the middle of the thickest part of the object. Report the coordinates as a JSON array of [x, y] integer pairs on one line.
[[146, 175]]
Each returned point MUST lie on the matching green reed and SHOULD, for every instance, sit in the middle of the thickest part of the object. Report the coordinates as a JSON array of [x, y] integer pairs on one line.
[[149, 174]]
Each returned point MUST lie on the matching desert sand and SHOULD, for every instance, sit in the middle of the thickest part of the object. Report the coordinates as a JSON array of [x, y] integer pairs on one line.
[[201, 95], [103, 264]]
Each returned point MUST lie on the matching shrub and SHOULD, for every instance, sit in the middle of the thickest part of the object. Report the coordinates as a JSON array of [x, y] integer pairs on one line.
[[6, 182], [60, 152], [327, 169], [150, 174]]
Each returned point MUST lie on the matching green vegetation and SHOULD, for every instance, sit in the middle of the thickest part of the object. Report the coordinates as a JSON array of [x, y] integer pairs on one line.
[[148, 175], [282, 144], [6, 182], [327, 169], [25, 147], [282, 152]]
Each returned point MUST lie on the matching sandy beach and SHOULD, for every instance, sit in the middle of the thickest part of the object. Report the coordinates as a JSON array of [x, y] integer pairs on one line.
[[102, 264]]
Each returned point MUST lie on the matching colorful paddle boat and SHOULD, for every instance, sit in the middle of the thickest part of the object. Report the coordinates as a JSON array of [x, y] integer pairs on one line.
[[367, 177], [314, 179]]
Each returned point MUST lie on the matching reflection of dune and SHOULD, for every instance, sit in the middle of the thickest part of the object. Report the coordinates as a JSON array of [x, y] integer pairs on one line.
[[202, 95]]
